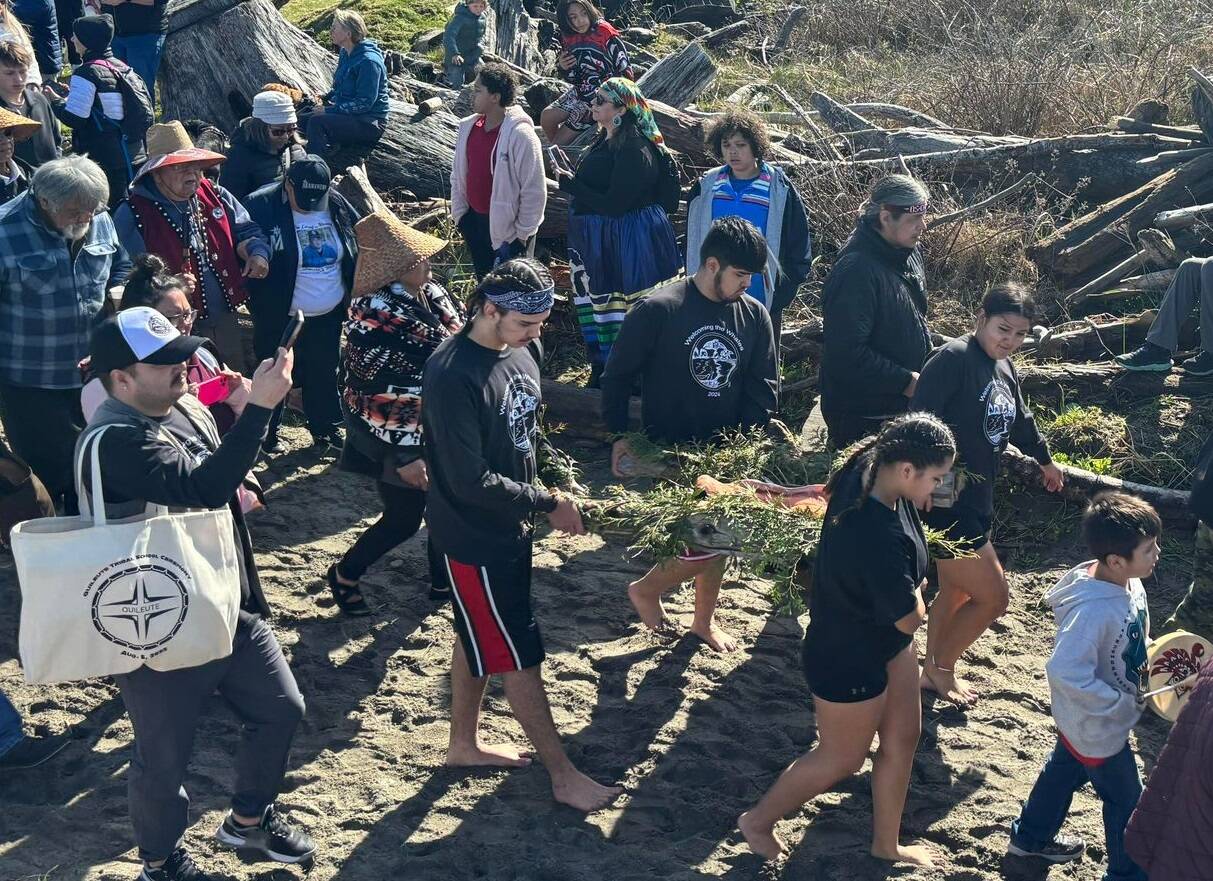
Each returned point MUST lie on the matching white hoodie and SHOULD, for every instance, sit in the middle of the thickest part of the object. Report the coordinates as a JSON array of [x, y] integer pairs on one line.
[[1098, 659]]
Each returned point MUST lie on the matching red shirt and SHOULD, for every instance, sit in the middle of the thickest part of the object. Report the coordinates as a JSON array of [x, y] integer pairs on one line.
[[481, 145]]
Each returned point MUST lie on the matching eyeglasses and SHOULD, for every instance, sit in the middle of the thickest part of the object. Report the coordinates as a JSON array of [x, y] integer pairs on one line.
[[279, 131], [180, 318]]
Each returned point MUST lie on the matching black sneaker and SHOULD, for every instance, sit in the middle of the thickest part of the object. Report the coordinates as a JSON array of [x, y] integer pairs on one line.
[[1062, 849], [178, 867], [30, 752], [1148, 358], [273, 836], [1201, 365]]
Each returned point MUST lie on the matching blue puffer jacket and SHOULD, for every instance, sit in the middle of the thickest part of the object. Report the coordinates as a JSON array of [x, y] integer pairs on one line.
[[360, 82]]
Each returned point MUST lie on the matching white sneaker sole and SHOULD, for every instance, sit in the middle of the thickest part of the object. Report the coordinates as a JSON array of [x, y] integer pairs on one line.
[[237, 843], [1056, 859]]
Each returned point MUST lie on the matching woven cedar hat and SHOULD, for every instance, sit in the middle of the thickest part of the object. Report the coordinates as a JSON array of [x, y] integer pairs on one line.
[[387, 249], [21, 128], [168, 143]]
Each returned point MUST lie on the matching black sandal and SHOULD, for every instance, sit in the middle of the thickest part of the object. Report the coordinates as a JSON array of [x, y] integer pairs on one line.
[[348, 596]]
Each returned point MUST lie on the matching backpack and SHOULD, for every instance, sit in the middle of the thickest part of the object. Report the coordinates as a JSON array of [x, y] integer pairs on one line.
[[137, 111], [669, 182]]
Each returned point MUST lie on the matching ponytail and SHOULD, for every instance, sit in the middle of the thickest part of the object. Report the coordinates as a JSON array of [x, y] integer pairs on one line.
[[920, 439]]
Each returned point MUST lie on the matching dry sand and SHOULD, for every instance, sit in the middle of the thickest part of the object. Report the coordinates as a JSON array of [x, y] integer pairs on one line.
[[695, 737]]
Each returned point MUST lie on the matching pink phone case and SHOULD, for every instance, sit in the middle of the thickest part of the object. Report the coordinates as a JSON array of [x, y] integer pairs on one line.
[[213, 391]]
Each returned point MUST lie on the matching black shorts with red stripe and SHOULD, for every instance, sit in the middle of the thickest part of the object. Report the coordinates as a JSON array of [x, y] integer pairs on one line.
[[493, 615]]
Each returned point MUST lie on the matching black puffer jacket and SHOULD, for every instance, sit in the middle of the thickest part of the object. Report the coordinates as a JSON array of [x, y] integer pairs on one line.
[[100, 138], [250, 166], [875, 325]]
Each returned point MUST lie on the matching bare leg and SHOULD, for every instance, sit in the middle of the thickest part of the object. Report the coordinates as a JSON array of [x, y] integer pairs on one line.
[[707, 591], [645, 593], [844, 733], [947, 602], [524, 691], [900, 727], [983, 579], [467, 694], [550, 120], [566, 135]]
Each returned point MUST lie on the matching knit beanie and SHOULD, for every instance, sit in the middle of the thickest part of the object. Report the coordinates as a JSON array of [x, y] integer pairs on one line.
[[274, 108], [95, 32]]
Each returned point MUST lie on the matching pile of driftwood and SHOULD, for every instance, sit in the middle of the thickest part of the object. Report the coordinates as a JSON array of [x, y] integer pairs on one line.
[[1151, 184]]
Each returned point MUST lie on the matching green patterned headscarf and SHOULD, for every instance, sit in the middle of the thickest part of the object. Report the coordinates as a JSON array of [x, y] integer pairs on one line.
[[627, 95]]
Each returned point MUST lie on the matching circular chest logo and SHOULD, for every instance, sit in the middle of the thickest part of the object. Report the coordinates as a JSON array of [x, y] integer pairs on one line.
[[714, 357], [140, 606], [521, 410]]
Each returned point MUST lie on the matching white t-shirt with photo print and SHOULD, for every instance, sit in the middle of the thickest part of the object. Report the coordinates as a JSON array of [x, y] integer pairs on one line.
[[319, 288]]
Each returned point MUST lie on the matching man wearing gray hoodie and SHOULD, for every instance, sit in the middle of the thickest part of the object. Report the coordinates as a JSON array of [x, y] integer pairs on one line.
[[1095, 677]]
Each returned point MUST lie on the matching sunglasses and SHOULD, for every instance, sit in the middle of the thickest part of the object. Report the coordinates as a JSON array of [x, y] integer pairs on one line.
[[279, 131], [598, 100]]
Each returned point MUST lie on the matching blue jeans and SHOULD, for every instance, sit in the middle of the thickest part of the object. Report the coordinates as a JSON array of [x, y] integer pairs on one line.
[[10, 725], [142, 53], [1116, 783]]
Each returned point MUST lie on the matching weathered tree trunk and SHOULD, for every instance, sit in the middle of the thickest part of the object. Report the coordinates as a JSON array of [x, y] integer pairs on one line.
[[219, 53], [855, 128], [678, 79], [1095, 339], [1171, 504], [514, 34], [1087, 245], [580, 410]]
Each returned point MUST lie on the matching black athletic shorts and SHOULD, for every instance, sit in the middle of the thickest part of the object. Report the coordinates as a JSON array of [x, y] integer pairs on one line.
[[961, 524], [493, 615], [844, 675]]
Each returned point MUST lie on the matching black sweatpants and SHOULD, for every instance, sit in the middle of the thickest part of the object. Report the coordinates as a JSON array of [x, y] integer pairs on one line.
[[165, 708], [317, 353], [402, 512], [475, 229], [42, 425]]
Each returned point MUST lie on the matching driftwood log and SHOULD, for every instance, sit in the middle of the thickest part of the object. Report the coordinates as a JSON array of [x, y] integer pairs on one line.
[[514, 34], [1089, 244], [219, 53], [680, 78], [1171, 504], [579, 410]]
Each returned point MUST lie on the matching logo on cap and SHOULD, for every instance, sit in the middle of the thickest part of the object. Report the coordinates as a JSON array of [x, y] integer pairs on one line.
[[309, 185], [158, 325]]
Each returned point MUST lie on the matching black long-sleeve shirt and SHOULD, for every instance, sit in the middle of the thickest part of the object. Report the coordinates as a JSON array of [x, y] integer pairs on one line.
[[614, 181], [140, 465], [703, 365], [481, 423], [981, 400]]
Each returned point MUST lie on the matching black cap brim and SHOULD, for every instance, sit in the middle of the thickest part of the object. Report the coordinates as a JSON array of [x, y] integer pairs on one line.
[[176, 351]]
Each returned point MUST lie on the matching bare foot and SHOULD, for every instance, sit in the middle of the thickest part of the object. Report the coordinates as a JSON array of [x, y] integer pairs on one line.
[[946, 685], [498, 755], [651, 611], [916, 854], [718, 640], [763, 842], [580, 792]]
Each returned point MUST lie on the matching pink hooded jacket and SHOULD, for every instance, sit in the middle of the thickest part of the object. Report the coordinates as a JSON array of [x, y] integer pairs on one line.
[[519, 188]]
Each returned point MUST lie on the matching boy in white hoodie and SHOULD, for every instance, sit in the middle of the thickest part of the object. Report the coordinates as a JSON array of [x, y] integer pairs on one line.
[[1103, 627]]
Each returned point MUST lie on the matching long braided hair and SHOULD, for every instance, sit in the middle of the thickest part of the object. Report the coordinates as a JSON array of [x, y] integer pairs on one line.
[[921, 439]]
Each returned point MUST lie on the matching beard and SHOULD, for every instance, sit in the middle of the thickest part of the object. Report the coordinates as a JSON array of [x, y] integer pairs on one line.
[[75, 232]]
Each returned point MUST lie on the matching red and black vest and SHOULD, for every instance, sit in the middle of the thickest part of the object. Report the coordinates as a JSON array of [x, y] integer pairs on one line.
[[164, 238]]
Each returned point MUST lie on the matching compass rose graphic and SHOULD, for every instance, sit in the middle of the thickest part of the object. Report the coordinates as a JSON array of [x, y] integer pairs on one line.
[[141, 607]]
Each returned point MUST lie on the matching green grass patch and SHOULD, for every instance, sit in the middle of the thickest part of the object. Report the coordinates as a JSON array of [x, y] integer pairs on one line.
[[393, 24]]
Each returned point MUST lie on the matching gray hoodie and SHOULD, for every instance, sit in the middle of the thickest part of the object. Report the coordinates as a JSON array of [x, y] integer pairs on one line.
[[1098, 659]]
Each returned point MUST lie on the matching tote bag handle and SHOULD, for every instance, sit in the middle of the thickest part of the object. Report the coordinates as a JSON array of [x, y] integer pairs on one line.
[[95, 501]]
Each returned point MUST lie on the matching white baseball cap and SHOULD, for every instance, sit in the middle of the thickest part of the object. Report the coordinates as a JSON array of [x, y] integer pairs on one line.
[[139, 336]]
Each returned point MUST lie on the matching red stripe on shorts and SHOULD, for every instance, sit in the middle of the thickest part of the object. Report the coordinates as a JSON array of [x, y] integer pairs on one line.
[[490, 639]]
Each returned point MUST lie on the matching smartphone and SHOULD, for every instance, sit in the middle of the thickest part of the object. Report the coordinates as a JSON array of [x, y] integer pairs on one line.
[[213, 391], [292, 330], [558, 159]]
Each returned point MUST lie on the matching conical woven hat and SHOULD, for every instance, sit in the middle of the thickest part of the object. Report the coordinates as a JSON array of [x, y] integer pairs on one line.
[[22, 129], [168, 143], [387, 249]]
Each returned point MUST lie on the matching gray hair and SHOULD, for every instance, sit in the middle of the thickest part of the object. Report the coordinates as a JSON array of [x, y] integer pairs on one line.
[[898, 190], [70, 182], [353, 22]]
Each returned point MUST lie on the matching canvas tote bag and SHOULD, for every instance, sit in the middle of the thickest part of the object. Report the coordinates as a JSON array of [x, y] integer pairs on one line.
[[102, 596]]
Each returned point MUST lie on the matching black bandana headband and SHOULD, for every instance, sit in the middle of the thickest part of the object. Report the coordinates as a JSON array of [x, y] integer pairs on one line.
[[526, 302], [919, 208]]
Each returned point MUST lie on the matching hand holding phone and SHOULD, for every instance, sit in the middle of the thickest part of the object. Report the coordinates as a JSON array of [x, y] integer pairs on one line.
[[214, 390]]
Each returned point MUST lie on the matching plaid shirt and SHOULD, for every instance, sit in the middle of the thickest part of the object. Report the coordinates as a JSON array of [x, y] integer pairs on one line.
[[49, 301]]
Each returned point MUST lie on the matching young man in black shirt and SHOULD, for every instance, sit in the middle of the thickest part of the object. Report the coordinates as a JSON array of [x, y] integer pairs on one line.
[[482, 397], [161, 446], [704, 352]]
